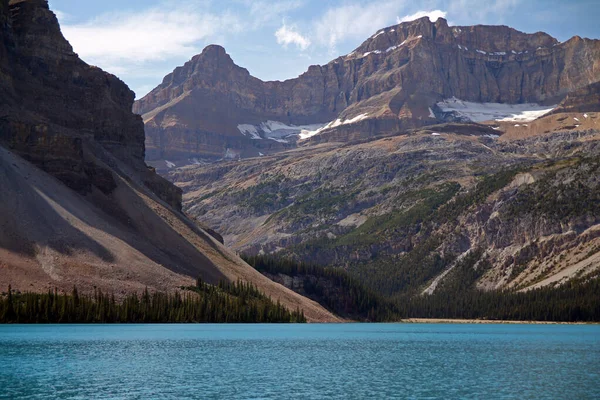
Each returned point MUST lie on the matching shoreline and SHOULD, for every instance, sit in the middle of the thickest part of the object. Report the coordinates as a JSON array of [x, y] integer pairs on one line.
[[487, 321]]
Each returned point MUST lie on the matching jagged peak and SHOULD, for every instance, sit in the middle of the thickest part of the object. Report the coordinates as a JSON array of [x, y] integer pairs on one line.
[[493, 39], [213, 50]]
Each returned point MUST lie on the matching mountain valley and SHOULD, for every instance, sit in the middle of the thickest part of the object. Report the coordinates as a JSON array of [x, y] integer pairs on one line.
[[444, 144]]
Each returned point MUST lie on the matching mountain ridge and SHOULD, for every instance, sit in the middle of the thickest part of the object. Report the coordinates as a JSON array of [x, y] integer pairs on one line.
[[394, 80]]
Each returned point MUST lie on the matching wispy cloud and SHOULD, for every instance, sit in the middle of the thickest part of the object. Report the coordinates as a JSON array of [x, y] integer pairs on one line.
[[263, 12], [146, 36], [355, 21], [433, 15], [287, 35]]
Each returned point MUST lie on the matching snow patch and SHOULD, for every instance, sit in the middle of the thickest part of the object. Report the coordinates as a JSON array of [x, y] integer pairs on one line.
[[275, 130], [436, 134], [431, 113], [377, 34], [333, 124], [170, 164], [479, 112], [576, 119], [372, 52], [249, 130], [585, 116], [481, 51], [230, 154], [491, 136]]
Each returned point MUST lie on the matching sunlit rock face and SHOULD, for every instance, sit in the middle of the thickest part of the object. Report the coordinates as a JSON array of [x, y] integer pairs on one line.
[[392, 82]]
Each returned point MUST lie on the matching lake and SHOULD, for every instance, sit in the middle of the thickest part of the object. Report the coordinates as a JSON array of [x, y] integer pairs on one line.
[[344, 361]]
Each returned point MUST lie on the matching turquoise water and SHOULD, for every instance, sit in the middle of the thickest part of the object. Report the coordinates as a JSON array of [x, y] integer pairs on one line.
[[347, 361]]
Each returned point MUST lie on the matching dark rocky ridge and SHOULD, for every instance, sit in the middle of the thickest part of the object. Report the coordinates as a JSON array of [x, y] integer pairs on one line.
[[394, 77], [54, 105]]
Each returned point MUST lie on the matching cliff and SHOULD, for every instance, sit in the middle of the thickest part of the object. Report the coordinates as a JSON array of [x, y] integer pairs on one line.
[[390, 83]]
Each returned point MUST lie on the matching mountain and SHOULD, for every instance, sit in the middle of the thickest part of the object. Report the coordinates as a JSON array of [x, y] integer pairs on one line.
[[78, 205], [404, 77], [431, 158], [401, 212]]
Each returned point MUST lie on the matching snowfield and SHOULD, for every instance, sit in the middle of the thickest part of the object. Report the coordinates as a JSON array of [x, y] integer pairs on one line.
[[275, 130], [479, 112], [333, 124]]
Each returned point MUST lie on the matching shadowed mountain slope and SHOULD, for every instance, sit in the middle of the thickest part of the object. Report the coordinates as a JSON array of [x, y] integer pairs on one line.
[[78, 205]]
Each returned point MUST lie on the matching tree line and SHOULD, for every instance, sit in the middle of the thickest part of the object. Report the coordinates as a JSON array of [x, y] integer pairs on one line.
[[237, 302], [577, 301], [331, 287]]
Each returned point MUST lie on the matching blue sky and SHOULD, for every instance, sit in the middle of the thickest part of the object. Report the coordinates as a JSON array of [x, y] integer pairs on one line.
[[142, 40]]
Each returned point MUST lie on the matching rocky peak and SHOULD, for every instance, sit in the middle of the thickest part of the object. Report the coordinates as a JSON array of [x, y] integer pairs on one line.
[[390, 83], [213, 60], [59, 113], [499, 40], [37, 30], [203, 70]]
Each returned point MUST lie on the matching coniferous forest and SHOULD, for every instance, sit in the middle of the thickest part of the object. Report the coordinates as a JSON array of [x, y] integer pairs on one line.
[[573, 302], [226, 303], [331, 287], [576, 301]]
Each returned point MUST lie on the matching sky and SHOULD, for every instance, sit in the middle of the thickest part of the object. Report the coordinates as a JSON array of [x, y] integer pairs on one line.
[[141, 41]]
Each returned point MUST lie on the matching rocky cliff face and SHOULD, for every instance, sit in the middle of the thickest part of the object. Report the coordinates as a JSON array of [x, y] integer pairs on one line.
[[78, 205], [586, 99], [55, 102], [391, 82]]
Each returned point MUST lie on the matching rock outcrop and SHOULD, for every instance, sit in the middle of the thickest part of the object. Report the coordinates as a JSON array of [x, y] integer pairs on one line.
[[586, 99], [78, 205], [392, 82]]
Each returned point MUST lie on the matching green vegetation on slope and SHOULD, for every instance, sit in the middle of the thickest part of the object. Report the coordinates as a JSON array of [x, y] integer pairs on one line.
[[226, 303], [575, 301], [563, 199], [331, 287]]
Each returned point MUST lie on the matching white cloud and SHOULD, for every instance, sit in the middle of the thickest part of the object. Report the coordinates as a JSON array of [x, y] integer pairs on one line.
[[150, 35], [433, 15], [287, 35], [265, 12], [355, 21]]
